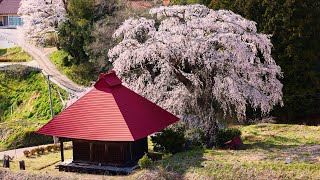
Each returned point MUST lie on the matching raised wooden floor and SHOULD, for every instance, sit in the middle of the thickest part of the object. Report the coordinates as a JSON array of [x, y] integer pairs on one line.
[[69, 166]]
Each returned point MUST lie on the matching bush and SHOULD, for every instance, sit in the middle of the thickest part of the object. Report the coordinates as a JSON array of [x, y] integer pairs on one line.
[[26, 153], [37, 150], [145, 161], [47, 148], [51, 39], [225, 135], [41, 150], [33, 152], [53, 148], [81, 74], [169, 140], [195, 136]]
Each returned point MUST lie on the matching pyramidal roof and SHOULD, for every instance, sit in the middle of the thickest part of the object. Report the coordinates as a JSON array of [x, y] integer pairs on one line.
[[109, 112]]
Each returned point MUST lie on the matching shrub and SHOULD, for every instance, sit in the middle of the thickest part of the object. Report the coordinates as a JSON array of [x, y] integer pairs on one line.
[[82, 73], [52, 148], [37, 150], [51, 39], [145, 161], [48, 148], [195, 136], [56, 147], [41, 150], [169, 140], [33, 151], [225, 135], [26, 153]]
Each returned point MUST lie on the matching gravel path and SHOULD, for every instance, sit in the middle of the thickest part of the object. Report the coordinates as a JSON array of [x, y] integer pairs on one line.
[[40, 55], [16, 153], [43, 62]]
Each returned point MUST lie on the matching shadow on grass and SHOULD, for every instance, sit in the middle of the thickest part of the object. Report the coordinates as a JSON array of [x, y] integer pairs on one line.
[[181, 162], [271, 141], [267, 146], [3, 51]]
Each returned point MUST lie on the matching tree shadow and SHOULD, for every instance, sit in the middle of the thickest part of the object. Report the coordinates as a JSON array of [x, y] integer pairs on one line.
[[3, 51], [271, 142], [267, 146], [180, 163]]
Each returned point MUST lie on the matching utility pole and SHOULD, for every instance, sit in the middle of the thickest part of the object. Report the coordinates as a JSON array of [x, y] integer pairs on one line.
[[55, 139]]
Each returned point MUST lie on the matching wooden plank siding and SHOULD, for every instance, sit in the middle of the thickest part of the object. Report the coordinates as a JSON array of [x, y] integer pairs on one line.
[[115, 153]]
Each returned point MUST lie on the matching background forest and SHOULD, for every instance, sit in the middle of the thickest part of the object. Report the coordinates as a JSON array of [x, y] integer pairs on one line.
[[215, 65], [82, 31], [293, 24]]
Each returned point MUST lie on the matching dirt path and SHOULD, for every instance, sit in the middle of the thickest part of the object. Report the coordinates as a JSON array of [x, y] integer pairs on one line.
[[16, 153], [40, 55]]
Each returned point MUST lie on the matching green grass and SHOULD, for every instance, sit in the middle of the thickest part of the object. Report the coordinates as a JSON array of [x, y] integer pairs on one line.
[[14, 54], [265, 157], [280, 135], [268, 148], [26, 94], [43, 162], [82, 74]]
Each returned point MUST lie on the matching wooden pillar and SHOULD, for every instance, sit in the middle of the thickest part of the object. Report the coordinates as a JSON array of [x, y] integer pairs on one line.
[[91, 152], [22, 165], [130, 143], [6, 161], [106, 152], [61, 149], [146, 142]]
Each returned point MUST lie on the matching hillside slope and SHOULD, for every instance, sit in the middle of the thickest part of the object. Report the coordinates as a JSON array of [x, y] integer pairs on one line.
[[14, 54], [24, 107]]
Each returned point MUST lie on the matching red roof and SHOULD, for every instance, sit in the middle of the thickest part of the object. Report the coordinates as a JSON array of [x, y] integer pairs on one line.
[[9, 6], [109, 112]]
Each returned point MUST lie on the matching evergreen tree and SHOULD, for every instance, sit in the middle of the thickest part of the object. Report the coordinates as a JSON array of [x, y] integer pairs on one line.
[[74, 33], [295, 27]]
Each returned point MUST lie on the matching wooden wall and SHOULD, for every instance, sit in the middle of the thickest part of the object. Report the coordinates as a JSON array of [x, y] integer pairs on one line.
[[109, 152]]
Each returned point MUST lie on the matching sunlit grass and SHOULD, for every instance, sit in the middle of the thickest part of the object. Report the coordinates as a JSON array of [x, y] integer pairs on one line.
[[281, 134], [14, 54], [271, 152], [24, 107], [44, 162], [82, 74]]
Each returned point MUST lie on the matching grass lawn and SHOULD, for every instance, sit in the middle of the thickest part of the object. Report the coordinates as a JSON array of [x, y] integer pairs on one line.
[[14, 54], [272, 152], [82, 74], [25, 107]]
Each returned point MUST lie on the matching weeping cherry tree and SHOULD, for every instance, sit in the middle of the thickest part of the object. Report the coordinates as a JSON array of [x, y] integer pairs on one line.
[[41, 19], [202, 65]]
